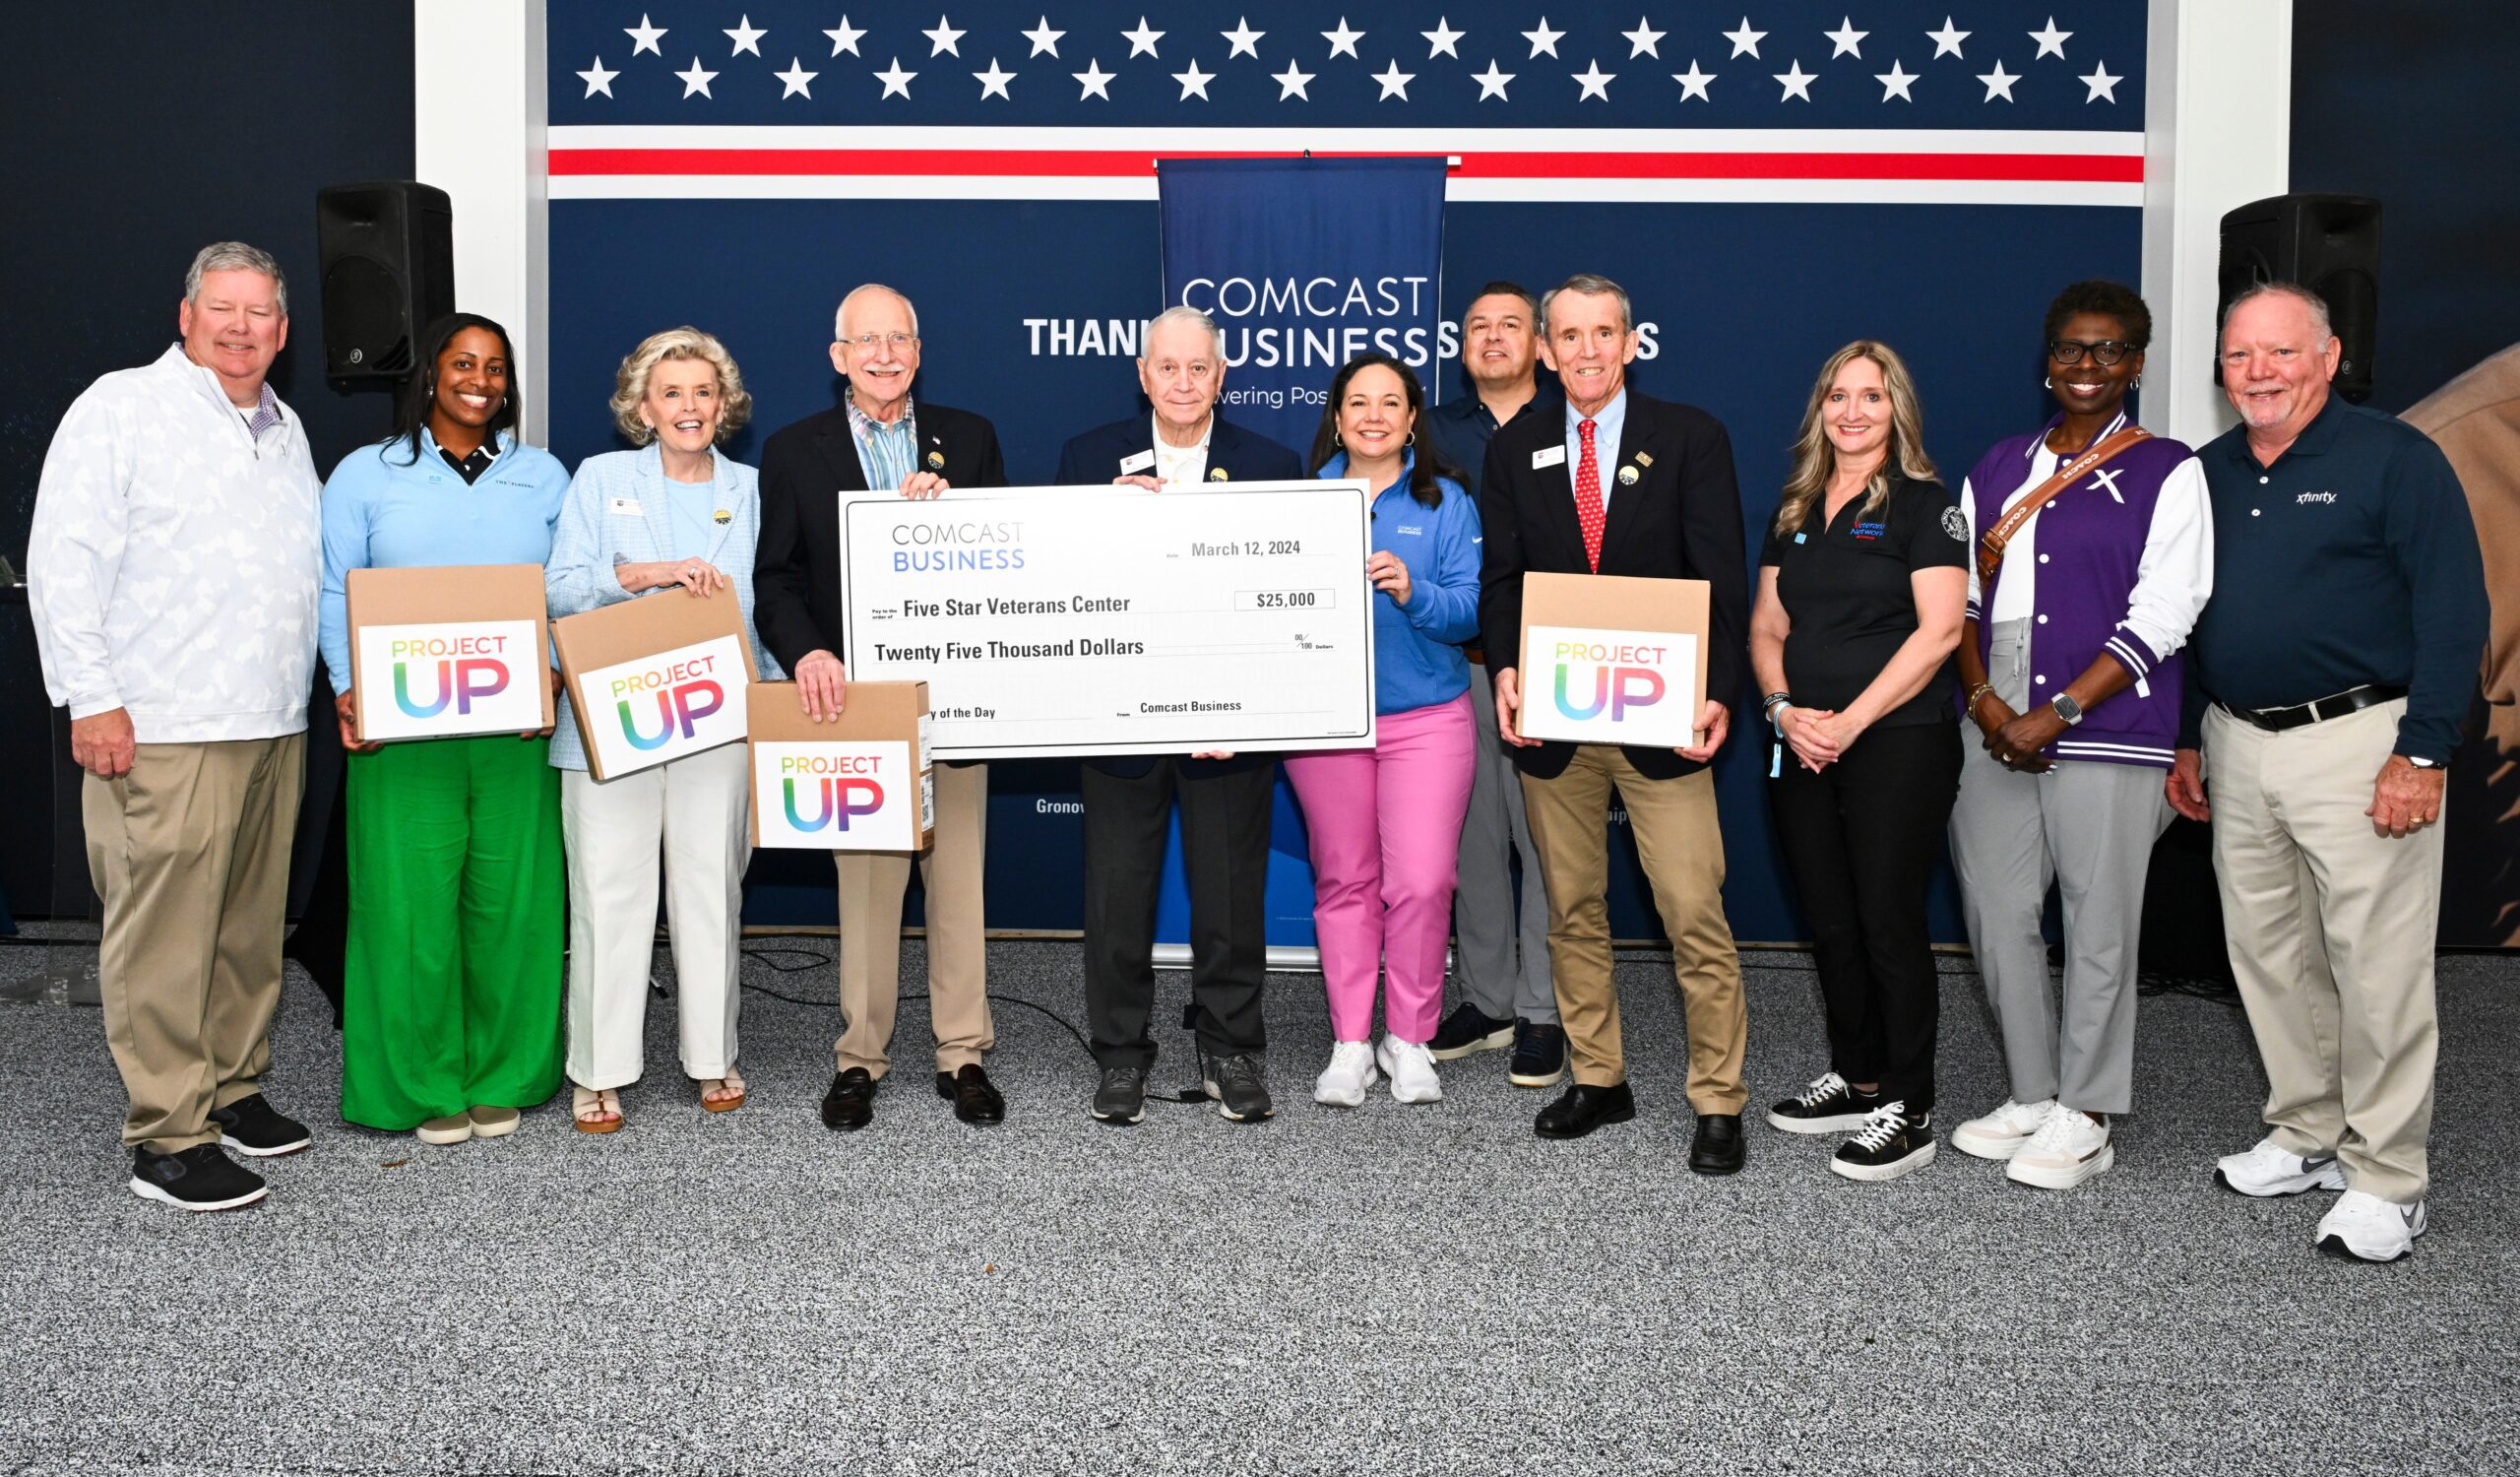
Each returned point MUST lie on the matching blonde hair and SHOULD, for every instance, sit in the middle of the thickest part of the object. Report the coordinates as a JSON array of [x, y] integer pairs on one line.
[[630, 381], [1814, 458]]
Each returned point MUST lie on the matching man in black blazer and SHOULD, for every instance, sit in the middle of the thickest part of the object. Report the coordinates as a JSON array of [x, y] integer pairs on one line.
[[1225, 798], [878, 438], [1621, 484]]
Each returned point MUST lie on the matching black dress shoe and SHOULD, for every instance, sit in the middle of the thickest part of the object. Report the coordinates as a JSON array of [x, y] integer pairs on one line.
[[1717, 1148], [1585, 1108], [851, 1103], [974, 1100]]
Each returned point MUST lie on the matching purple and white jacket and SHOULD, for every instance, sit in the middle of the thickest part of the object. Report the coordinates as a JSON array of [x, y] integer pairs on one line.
[[2120, 562]]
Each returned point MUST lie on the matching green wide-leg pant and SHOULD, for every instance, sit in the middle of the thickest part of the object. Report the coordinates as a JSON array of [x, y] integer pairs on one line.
[[456, 896]]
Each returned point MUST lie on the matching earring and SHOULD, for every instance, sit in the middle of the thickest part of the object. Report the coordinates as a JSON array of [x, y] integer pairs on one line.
[[2049, 383], [1413, 437], [2139, 382]]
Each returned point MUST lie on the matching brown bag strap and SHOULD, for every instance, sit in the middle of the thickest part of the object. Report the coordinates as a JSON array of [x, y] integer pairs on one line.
[[1990, 547]]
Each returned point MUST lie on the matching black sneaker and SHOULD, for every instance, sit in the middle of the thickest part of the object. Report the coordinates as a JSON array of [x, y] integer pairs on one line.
[[1828, 1106], [1468, 1029], [1890, 1143], [252, 1125], [1540, 1054], [1236, 1084], [1121, 1097], [200, 1177]]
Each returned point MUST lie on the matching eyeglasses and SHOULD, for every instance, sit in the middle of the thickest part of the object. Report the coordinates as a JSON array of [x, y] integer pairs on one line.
[[2070, 350], [899, 341]]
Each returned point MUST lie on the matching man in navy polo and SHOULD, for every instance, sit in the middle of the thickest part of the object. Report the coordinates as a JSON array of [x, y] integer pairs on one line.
[[2338, 655]]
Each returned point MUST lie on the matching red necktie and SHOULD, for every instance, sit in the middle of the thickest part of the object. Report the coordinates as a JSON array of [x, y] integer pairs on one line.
[[1588, 496]]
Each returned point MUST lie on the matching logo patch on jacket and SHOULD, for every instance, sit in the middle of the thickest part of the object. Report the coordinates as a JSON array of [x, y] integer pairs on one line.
[[1956, 524]]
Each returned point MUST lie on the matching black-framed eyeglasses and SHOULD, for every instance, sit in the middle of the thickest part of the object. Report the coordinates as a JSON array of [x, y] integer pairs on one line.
[[2070, 350]]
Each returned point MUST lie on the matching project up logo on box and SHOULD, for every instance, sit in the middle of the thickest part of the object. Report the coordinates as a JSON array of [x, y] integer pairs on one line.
[[657, 709], [838, 796], [1605, 686], [447, 678]]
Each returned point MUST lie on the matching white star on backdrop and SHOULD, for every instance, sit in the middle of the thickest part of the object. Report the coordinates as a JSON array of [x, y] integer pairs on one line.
[[1247, 41], [1096, 81], [645, 35], [1142, 39], [1542, 39], [993, 82], [1946, 41], [1194, 81], [697, 81], [1798, 83], [1290, 82], [1745, 41], [846, 38], [2102, 85], [745, 37], [598, 80], [1043, 37], [1894, 83], [1395, 82], [1997, 81], [895, 81], [1439, 42], [1342, 39], [1693, 81], [1847, 41], [1492, 82], [2052, 41], [943, 38], [1640, 41], [797, 79], [1595, 81]]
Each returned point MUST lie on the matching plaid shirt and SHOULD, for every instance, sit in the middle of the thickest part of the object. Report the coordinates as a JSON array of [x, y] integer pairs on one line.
[[888, 454]]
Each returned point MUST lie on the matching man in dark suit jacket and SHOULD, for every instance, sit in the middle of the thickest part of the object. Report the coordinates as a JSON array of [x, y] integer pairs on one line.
[[1225, 798], [1621, 484], [876, 438]]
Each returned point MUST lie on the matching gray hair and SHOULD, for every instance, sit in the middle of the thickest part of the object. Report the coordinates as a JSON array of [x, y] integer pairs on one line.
[[840, 315], [235, 256], [2316, 304], [1184, 313], [1589, 285]]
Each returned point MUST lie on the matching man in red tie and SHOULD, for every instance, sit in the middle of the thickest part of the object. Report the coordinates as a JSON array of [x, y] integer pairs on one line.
[[1625, 485]]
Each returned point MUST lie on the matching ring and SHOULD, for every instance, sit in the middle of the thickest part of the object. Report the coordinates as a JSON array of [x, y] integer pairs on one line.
[[690, 573]]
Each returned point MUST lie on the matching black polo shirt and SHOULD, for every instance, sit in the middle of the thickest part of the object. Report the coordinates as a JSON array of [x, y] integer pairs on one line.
[[2352, 560], [1462, 428], [1845, 586]]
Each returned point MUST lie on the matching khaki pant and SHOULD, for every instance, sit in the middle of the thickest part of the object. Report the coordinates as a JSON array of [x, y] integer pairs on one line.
[[2330, 928], [189, 852], [871, 888], [1682, 848]]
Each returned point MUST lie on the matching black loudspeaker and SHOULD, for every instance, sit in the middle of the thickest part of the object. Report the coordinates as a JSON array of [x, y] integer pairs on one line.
[[2327, 243], [388, 256]]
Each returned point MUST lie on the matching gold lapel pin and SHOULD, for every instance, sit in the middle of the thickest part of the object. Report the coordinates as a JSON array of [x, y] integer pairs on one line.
[[724, 515], [1628, 477], [1644, 459], [1218, 474], [936, 461]]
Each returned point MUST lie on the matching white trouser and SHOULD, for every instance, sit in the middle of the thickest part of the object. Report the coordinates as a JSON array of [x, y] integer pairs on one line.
[[694, 809]]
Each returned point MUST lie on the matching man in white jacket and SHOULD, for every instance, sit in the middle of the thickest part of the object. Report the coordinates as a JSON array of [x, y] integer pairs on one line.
[[172, 572]]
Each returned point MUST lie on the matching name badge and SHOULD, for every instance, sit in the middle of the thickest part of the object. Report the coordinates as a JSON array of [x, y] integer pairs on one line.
[[1138, 462], [629, 505], [1550, 455]]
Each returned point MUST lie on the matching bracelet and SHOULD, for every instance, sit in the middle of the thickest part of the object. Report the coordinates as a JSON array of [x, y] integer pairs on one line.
[[1976, 695], [1773, 699]]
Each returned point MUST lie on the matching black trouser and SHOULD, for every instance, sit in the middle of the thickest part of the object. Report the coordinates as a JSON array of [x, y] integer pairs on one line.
[[1861, 838], [1225, 855]]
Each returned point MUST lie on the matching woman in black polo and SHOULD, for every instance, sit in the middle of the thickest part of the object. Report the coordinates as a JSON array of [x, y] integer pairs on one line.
[[1861, 589]]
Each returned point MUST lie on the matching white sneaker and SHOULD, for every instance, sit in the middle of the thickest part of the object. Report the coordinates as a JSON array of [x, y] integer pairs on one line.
[[2001, 1134], [1412, 1069], [2067, 1149], [2371, 1228], [1342, 1083], [2270, 1168]]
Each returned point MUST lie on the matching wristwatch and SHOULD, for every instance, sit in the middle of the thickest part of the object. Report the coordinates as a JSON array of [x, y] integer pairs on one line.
[[2066, 708], [2420, 761]]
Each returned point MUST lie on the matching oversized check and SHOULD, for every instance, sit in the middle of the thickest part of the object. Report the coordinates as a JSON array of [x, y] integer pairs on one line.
[[1113, 621]]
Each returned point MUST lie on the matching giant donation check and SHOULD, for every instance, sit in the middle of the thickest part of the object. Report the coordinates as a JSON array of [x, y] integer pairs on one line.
[[1113, 621]]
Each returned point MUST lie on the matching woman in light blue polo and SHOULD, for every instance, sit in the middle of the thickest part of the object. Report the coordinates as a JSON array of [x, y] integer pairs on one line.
[[674, 514]]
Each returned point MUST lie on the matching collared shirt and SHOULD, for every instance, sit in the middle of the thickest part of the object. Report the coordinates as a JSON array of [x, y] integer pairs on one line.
[[1608, 423], [1177, 466], [2352, 560], [1462, 428], [265, 415], [1846, 586], [887, 452], [472, 466]]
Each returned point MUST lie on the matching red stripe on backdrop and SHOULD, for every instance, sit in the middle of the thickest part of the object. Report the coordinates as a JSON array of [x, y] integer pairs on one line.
[[1086, 163]]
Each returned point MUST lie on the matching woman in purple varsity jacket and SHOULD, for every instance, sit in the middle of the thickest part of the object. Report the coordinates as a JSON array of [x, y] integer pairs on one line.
[[2071, 685]]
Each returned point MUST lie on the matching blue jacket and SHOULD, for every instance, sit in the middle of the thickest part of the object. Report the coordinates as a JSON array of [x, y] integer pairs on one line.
[[615, 513], [1418, 657]]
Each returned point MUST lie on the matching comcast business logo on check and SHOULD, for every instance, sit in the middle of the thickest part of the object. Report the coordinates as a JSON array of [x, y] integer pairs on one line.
[[941, 548]]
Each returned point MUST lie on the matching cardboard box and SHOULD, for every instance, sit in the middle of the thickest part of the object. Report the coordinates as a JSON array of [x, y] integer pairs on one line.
[[655, 678], [1610, 659], [443, 653], [861, 782]]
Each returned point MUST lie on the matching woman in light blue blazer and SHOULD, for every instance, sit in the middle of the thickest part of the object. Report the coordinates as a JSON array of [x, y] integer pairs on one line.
[[674, 514]]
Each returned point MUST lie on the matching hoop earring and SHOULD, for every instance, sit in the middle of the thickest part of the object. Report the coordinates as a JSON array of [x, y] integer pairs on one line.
[[1413, 437], [2139, 382], [2047, 383]]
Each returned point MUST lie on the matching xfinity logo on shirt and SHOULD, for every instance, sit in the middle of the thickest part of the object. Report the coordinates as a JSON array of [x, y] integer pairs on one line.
[[2315, 497]]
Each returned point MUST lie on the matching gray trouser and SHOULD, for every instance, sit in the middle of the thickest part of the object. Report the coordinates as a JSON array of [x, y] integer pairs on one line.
[[1504, 981], [2089, 828]]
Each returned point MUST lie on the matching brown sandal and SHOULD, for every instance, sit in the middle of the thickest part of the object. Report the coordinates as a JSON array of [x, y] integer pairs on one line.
[[730, 1083], [588, 1107]]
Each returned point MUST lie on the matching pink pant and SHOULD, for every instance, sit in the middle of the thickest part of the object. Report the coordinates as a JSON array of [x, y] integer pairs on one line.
[[1385, 825]]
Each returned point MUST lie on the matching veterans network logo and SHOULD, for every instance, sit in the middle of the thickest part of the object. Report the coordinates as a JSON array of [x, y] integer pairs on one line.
[[467, 670], [1619, 684], [836, 789]]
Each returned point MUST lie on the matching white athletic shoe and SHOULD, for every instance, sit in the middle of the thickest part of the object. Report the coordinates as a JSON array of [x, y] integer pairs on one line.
[[2067, 1149], [2001, 1134], [2371, 1228], [2270, 1168], [1342, 1083], [1412, 1069]]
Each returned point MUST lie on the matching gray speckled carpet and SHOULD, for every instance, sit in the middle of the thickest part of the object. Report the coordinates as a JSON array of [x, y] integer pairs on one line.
[[1395, 1289]]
